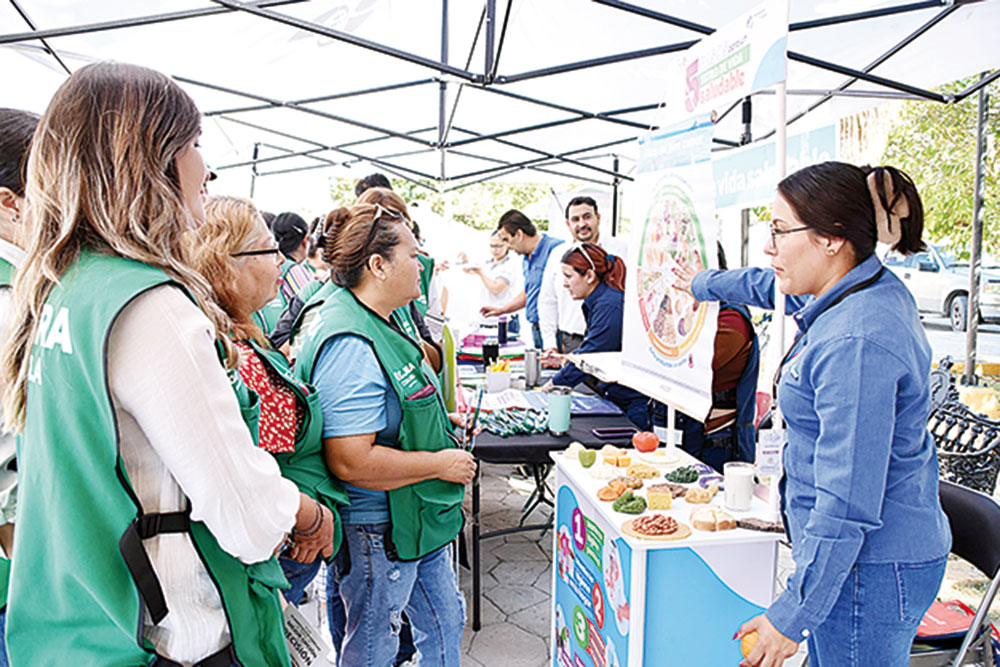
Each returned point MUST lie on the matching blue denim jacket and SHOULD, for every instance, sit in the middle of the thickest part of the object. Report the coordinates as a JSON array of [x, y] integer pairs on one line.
[[861, 471]]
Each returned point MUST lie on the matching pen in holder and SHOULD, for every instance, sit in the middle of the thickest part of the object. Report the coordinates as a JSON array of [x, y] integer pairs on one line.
[[559, 405]]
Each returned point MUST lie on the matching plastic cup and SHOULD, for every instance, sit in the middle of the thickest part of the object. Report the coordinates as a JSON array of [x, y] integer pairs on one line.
[[559, 405], [739, 485]]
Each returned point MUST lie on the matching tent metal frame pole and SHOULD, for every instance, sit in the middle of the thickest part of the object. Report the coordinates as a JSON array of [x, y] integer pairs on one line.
[[792, 27], [491, 21], [562, 107], [303, 109], [468, 64], [326, 98], [253, 170], [874, 94], [552, 123], [135, 22], [875, 13], [45, 44], [614, 199], [357, 156], [308, 154], [593, 62], [979, 85], [318, 29], [561, 157], [659, 16], [940, 16], [491, 73], [865, 76], [975, 255], [443, 87], [289, 153]]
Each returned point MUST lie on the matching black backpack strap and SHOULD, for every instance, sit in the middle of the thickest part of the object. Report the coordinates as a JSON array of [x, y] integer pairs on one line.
[[137, 560], [225, 657]]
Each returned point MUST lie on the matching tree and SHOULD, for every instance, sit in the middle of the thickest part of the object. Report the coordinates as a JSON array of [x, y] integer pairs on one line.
[[479, 205], [935, 144]]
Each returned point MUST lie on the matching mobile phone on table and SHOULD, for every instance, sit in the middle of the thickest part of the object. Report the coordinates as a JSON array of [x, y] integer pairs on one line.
[[614, 432]]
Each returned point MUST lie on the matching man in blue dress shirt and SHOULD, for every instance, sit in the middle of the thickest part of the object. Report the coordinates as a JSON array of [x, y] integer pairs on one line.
[[524, 238]]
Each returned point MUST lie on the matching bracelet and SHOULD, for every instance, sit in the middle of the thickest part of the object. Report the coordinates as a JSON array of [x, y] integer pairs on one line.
[[316, 524]]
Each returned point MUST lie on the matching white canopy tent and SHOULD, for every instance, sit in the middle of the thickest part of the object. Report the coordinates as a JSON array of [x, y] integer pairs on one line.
[[449, 93]]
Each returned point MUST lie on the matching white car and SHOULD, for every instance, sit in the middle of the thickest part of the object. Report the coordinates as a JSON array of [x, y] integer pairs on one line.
[[940, 284]]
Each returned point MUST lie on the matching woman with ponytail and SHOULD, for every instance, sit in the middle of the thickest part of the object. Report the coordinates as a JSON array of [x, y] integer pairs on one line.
[[151, 518], [598, 279], [860, 490]]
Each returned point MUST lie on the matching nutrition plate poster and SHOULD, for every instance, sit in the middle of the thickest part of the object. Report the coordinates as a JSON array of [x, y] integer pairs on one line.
[[668, 335], [592, 611]]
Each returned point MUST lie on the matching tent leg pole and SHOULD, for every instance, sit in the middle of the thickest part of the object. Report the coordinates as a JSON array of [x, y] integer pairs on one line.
[[614, 201], [975, 253]]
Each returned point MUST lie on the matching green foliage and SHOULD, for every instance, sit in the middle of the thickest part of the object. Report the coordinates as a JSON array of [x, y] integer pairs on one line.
[[936, 145], [479, 205]]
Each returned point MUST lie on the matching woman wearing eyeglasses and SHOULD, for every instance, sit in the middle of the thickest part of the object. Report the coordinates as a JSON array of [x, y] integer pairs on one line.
[[151, 517], [860, 489], [387, 436], [236, 253], [598, 279]]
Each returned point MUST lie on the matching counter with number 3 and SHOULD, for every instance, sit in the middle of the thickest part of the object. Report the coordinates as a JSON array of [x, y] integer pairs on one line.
[[663, 586]]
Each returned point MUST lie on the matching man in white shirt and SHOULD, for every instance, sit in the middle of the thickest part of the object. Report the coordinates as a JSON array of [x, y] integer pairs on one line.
[[560, 317]]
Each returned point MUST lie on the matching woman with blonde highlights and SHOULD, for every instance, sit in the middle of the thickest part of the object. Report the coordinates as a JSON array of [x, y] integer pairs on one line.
[[387, 436], [150, 516], [237, 254]]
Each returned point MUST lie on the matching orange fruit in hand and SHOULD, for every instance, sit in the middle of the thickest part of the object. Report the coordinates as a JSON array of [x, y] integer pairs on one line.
[[748, 642]]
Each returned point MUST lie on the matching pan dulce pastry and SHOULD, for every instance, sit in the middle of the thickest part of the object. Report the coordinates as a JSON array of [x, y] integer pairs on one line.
[[643, 471], [712, 518], [697, 495], [659, 497], [654, 524], [629, 481]]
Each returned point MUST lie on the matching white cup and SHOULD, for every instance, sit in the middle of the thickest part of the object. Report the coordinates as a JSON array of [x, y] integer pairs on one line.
[[739, 485]]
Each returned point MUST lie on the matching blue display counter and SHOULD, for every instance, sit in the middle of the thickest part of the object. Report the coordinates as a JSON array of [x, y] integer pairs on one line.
[[620, 600]]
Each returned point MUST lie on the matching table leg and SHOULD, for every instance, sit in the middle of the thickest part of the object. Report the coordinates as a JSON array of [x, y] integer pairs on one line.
[[476, 564], [538, 496]]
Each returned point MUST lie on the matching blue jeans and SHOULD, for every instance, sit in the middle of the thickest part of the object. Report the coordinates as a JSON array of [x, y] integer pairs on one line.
[[536, 336], [875, 618], [376, 592], [299, 575]]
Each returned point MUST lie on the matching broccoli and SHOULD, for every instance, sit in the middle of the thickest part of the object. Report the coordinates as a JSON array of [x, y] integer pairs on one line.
[[628, 503]]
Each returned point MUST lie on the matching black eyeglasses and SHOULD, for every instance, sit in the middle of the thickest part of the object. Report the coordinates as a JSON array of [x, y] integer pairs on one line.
[[250, 253], [380, 212], [776, 232]]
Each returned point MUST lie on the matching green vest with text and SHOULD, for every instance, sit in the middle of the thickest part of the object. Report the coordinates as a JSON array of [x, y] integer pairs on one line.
[[81, 583], [304, 465], [423, 301], [427, 515]]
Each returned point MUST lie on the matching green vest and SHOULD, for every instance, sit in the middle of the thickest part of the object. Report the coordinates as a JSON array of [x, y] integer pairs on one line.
[[79, 563], [426, 273], [305, 465], [427, 515], [6, 273], [269, 314]]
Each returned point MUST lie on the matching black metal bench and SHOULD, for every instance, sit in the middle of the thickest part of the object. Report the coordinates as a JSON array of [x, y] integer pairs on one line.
[[968, 444]]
